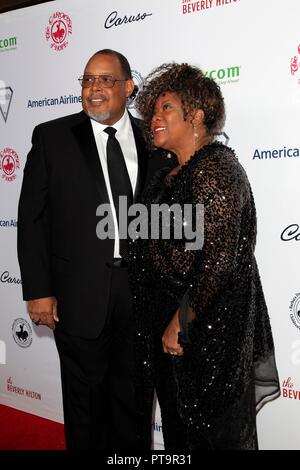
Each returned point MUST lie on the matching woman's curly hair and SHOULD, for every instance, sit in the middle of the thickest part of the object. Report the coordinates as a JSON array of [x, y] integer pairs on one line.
[[195, 90]]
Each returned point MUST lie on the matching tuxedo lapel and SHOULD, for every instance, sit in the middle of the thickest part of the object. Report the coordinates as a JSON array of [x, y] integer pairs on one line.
[[142, 157], [84, 135]]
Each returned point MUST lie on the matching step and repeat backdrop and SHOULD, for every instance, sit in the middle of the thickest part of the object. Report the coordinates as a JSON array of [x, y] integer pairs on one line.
[[252, 49]]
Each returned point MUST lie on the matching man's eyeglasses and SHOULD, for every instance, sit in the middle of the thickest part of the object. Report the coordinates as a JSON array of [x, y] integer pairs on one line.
[[106, 81]]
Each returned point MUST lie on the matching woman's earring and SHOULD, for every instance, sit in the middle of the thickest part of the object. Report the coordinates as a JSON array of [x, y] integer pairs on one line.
[[196, 135]]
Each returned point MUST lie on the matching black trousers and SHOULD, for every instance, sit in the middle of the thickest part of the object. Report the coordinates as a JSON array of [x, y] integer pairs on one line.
[[97, 378]]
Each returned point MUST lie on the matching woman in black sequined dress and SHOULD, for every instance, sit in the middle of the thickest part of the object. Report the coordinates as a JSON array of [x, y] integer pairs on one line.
[[203, 335]]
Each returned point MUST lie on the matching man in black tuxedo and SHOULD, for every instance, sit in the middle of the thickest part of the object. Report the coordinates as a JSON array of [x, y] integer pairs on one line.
[[73, 281]]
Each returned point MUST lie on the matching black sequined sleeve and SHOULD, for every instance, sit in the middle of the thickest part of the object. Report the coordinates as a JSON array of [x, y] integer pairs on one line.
[[221, 185]]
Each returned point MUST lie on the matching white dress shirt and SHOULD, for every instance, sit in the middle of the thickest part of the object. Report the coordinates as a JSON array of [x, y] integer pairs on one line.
[[126, 139]]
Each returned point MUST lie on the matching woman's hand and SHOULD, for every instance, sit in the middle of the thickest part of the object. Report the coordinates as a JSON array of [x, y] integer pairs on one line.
[[43, 311], [170, 337]]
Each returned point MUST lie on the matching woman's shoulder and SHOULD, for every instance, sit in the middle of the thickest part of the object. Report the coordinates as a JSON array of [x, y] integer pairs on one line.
[[218, 151], [217, 155], [220, 162]]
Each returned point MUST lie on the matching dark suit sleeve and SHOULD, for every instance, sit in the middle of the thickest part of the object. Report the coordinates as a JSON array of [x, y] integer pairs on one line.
[[33, 226]]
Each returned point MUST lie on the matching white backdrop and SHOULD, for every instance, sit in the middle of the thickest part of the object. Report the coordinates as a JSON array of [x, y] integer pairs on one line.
[[252, 48]]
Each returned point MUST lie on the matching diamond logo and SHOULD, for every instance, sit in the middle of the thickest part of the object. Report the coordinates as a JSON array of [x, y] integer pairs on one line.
[[223, 137], [6, 94]]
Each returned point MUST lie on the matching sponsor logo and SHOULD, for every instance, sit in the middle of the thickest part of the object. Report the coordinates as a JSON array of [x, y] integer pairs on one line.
[[225, 75], [284, 152], [22, 332], [6, 94], [2, 352], [10, 387], [295, 310], [113, 19], [58, 30], [5, 277], [288, 390], [9, 164], [222, 137], [56, 101], [8, 223], [139, 83], [190, 6], [291, 232], [156, 426], [295, 65], [7, 44]]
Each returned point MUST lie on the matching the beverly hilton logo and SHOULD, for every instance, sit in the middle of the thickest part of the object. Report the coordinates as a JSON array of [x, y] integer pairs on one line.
[[191, 6], [295, 310], [6, 94], [288, 389], [9, 164], [58, 30], [19, 390], [295, 65]]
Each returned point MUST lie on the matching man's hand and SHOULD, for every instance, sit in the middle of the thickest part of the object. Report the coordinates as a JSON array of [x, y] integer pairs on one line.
[[43, 311], [170, 337]]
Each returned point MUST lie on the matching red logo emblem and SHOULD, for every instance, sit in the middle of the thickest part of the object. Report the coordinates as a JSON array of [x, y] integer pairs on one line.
[[58, 30], [9, 164], [295, 65]]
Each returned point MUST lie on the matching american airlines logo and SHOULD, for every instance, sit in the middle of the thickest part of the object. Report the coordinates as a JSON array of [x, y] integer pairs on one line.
[[279, 153]]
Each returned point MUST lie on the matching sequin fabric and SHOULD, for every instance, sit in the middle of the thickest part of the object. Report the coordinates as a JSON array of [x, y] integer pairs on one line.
[[207, 396]]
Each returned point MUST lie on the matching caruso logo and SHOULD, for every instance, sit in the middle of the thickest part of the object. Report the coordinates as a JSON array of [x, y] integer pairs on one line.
[[295, 310], [6, 94], [190, 6], [58, 30], [9, 164], [291, 232], [54, 101], [295, 65], [114, 19], [7, 44], [5, 277], [225, 75], [22, 333], [284, 152]]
